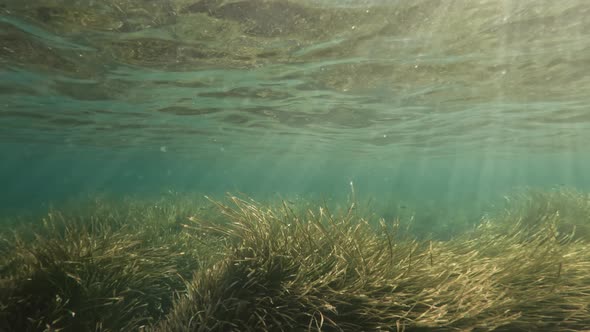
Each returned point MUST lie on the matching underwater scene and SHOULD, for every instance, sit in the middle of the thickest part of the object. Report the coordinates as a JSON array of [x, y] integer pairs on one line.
[[294, 165]]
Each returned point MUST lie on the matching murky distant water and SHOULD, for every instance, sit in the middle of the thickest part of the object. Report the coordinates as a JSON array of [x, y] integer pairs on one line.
[[464, 97]]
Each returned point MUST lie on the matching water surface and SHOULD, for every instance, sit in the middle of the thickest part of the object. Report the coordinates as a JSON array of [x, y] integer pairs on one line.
[[462, 99]]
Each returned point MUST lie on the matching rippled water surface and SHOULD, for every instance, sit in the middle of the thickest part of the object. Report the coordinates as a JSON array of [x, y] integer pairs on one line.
[[253, 83], [368, 76]]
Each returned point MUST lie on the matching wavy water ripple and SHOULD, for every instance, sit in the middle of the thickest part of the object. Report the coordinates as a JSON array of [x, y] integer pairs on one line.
[[372, 78]]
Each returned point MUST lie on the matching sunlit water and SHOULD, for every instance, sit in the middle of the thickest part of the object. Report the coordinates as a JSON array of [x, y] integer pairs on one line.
[[453, 101]]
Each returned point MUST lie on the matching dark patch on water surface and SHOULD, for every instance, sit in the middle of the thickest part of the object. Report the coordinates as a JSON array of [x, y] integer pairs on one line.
[[24, 114], [84, 91], [71, 122], [195, 84], [245, 92], [236, 119], [183, 110], [122, 114], [46, 14], [132, 126], [261, 18]]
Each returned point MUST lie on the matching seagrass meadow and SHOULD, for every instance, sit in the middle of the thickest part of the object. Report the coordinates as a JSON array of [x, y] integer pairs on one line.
[[294, 165], [187, 263]]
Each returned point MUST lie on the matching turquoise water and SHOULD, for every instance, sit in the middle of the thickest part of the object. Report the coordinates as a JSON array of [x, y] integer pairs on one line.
[[457, 102]]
